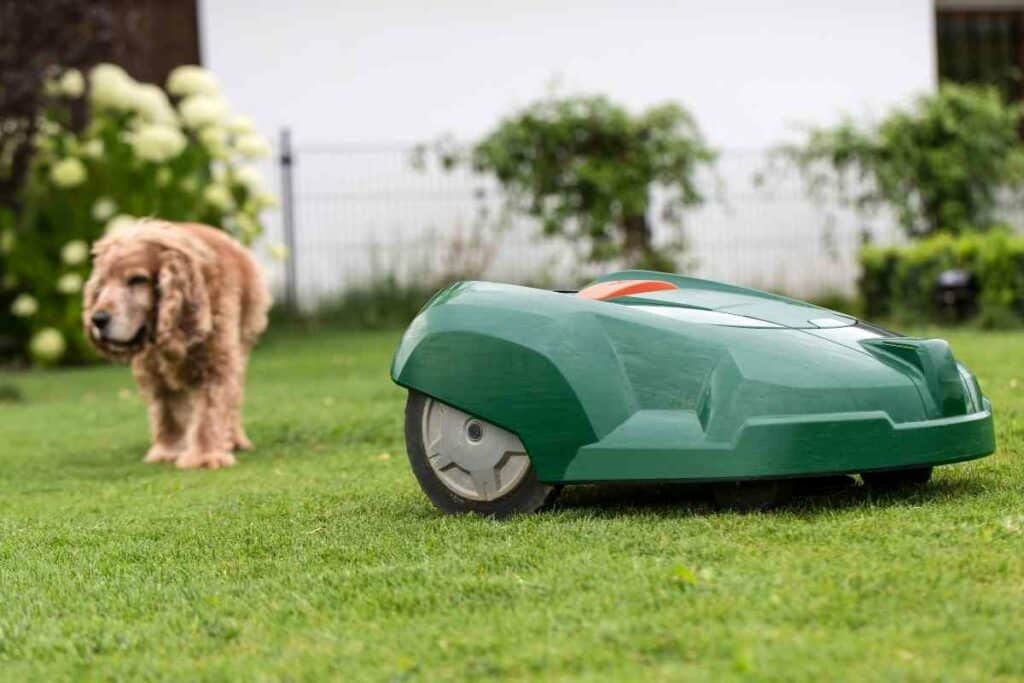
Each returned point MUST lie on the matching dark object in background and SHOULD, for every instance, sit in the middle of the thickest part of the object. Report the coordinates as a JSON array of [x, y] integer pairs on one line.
[[956, 294]]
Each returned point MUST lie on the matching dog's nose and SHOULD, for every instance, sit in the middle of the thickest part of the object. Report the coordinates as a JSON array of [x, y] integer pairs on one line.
[[100, 319]]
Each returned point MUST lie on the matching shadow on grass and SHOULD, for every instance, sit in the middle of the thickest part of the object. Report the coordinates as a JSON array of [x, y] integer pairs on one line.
[[811, 497]]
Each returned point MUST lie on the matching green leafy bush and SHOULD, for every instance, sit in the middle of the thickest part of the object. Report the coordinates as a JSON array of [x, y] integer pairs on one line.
[[939, 165], [585, 167], [899, 282], [139, 152]]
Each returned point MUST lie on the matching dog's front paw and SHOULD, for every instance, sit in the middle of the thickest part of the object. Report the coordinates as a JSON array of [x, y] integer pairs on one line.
[[193, 460], [159, 453], [241, 442]]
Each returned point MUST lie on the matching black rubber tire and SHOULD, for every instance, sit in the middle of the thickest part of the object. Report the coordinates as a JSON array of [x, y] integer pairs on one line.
[[529, 496], [889, 480], [752, 496]]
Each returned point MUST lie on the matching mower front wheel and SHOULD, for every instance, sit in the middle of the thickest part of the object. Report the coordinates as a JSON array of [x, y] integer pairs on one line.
[[466, 464]]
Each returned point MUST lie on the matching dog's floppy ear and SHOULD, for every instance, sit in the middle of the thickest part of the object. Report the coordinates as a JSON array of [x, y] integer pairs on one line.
[[183, 317], [89, 292]]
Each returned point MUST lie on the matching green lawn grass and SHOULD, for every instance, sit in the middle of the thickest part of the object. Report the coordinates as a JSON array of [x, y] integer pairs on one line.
[[319, 557]]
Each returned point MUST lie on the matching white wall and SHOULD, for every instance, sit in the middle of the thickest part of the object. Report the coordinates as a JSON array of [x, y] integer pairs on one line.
[[408, 69]]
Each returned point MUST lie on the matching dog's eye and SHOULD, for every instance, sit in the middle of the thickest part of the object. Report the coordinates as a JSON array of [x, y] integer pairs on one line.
[[138, 280]]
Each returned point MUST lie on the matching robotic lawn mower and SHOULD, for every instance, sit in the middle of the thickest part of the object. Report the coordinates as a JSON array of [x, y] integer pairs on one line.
[[653, 377]]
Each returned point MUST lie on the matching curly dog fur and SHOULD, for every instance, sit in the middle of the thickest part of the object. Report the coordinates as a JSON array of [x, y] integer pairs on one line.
[[184, 304]]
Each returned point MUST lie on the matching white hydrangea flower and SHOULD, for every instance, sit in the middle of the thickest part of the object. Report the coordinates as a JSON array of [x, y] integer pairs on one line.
[[7, 241], [47, 344], [68, 172], [111, 87], [47, 126], [157, 142], [190, 79], [152, 104], [45, 137], [72, 83], [278, 251], [74, 252], [202, 110], [93, 149], [51, 86], [265, 200], [240, 125], [43, 142], [249, 178], [252, 146], [218, 196], [120, 222], [103, 208], [69, 283], [24, 306], [248, 227], [214, 139]]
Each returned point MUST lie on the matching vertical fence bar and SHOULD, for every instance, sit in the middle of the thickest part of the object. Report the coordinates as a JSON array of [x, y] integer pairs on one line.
[[287, 160]]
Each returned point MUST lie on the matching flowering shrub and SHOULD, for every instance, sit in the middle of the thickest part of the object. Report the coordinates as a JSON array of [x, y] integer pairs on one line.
[[178, 155]]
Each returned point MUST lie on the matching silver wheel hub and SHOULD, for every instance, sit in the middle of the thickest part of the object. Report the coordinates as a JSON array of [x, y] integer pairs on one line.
[[473, 458]]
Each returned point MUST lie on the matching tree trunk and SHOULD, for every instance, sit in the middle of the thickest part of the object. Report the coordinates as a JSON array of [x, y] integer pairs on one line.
[[637, 237]]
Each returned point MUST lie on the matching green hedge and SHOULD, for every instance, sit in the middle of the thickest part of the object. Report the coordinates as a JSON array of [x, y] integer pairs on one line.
[[899, 282]]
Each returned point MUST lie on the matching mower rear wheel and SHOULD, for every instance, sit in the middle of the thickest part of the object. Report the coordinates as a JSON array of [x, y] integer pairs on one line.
[[753, 495], [896, 479], [465, 464]]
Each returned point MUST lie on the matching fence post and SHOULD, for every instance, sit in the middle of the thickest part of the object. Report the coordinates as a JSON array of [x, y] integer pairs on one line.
[[287, 160]]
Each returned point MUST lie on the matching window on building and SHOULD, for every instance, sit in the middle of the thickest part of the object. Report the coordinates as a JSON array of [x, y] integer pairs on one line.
[[982, 46]]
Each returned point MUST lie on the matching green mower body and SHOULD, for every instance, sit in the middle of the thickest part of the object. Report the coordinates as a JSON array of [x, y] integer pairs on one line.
[[651, 376]]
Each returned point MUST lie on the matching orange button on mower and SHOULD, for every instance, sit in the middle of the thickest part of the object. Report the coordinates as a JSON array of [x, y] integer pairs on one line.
[[616, 288]]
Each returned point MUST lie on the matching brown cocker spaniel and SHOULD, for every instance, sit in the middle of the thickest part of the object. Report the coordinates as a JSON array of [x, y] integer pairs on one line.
[[184, 303]]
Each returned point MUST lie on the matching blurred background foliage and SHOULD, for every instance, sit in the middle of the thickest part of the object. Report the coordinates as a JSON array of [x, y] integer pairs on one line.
[[943, 164], [585, 169]]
